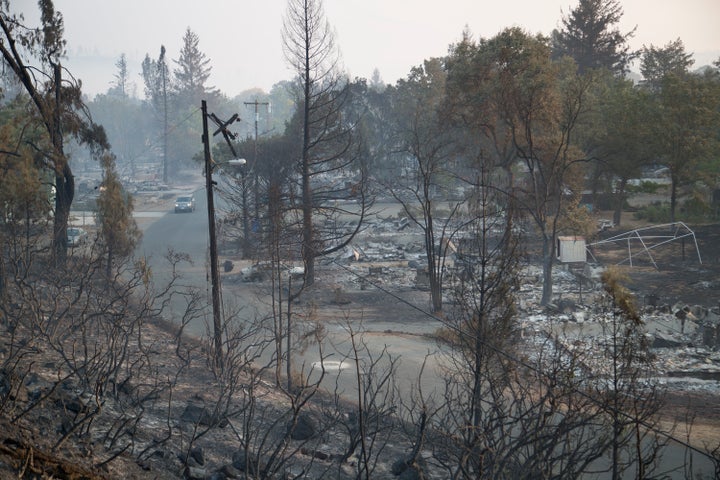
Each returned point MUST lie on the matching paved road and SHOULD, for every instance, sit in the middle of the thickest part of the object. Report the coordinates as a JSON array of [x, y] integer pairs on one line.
[[189, 233], [183, 233]]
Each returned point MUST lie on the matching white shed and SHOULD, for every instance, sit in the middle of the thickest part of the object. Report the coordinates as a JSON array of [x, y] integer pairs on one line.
[[571, 249]]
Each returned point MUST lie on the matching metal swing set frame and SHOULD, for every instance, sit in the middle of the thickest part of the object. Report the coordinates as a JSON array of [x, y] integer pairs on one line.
[[649, 238]]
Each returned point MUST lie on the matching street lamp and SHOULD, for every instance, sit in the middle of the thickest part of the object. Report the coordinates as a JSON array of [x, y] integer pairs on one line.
[[214, 274]]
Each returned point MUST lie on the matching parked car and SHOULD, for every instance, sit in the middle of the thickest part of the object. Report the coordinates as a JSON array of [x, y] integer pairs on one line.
[[76, 236], [185, 204]]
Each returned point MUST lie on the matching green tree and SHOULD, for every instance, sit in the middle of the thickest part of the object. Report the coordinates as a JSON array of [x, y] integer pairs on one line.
[[157, 87], [57, 102], [156, 79], [619, 137], [118, 231], [129, 129], [190, 88], [658, 62], [25, 200], [685, 131], [282, 105], [192, 73], [529, 107], [121, 84], [590, 36]]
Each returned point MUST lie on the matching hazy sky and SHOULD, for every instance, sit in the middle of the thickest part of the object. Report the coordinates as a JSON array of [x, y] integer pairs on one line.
[[242, 37]]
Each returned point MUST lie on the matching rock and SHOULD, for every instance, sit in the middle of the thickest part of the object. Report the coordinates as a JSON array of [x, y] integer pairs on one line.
[[652, 300], [245, 462], [663, 340], [407, 469], [229, 471], [11, 386], [712, 316], [411, 473], [198, 454], [195, 473], [304, 427], [323, 453], [399, 466], [65, 427], [566, 306], [70, 403], [202, 416]]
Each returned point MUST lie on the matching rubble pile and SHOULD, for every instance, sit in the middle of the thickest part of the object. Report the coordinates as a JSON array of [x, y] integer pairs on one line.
[[684, 339], [390, 253]]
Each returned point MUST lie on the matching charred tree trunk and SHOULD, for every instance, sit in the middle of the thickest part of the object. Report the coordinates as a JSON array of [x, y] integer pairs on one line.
[[548, 261], [64, 180]]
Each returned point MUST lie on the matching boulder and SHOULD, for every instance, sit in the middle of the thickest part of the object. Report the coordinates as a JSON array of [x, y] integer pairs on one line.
[[406, 468], [11, 386], [304, 427], [229, 471], [195, 473], [202, 416], [245, 462], [198, 454], [663, 340]]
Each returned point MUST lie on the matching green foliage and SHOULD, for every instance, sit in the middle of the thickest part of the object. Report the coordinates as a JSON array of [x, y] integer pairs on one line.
[[192, 72], [23, 193], [656, 212], [694, 209], [157, 80], [685, 128], [127, 123], [589, 36], [659, 62], [118, 231], [620, 128], [646, 186]]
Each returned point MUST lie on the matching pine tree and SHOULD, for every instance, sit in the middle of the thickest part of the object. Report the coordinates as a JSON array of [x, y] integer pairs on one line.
[[193, 72], [121, 83], [157, 86], [588, 35]]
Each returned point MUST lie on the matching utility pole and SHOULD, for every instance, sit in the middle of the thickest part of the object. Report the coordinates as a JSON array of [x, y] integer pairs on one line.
[[214, 272], [256, 104], [163, 72]]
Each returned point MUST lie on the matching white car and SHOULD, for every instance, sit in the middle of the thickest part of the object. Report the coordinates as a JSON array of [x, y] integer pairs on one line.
[[76, 236], [185, 204]]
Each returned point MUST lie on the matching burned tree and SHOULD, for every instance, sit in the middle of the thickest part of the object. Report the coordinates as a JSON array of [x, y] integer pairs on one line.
[[328, 168], [425, 143]]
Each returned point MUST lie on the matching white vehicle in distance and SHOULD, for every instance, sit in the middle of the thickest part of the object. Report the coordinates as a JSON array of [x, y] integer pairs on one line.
[[185, 204], [76, 236]]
